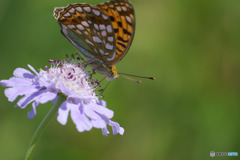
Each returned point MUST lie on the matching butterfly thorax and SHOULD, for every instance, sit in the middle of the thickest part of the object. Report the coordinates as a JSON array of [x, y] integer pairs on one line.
[[100, 67]]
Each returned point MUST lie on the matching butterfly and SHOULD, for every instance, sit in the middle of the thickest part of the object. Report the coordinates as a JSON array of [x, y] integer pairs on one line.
[[103, 33]]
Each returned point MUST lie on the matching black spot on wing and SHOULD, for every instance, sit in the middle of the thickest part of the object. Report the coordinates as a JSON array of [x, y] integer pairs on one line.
[[121, 39], [123, 45], [126, 32], [119, 24], [115, 30], [119, 50], [112, 18]]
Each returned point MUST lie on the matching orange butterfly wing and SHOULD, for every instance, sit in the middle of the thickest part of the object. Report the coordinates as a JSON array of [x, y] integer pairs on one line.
[[121, 14]]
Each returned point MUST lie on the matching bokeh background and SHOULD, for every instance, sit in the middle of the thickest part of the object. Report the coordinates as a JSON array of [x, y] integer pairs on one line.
[[192, 48]]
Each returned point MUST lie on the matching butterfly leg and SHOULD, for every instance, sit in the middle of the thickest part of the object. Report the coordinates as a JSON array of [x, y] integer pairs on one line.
[[108, 75], [89, 61], [102, 90]]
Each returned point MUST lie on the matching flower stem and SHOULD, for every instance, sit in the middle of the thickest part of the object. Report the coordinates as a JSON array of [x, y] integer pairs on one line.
[[42, 126]]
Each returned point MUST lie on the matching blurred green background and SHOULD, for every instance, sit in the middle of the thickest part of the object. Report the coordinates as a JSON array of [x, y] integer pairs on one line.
[[191, 46]]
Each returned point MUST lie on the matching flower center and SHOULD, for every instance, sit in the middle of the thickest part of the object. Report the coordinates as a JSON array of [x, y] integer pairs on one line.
[[73, 76]]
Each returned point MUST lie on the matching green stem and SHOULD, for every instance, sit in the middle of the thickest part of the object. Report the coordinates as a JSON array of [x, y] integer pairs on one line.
[[43, 125]]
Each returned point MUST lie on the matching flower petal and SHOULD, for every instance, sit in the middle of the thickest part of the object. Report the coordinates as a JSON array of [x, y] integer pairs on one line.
[[102, 103], [24, 101], [81, 121], [13, 93], [45, 97], [90, 113], [101, 110], [63, 113], [23, 73], [99, 123], [29, 66], [16, 82], [105, 131], [96, 120], [121, 131], [116, 128], [33, 112]]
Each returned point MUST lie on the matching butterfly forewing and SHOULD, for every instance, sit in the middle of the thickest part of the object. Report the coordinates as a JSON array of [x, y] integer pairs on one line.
[[121, 14], [103, 31], [88, 29]]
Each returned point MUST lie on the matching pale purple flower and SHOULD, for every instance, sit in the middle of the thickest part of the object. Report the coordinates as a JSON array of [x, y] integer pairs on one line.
[[69, 79]]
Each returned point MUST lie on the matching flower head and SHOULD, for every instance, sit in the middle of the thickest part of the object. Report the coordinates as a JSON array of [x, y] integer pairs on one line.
[[65, 77]]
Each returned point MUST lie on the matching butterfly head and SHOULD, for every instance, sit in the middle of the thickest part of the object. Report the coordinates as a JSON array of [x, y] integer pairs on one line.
[[99, 66], [113, 74]]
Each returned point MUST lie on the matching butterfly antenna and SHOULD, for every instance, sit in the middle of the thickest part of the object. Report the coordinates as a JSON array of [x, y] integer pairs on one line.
[[134, 80], [125, 75]]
